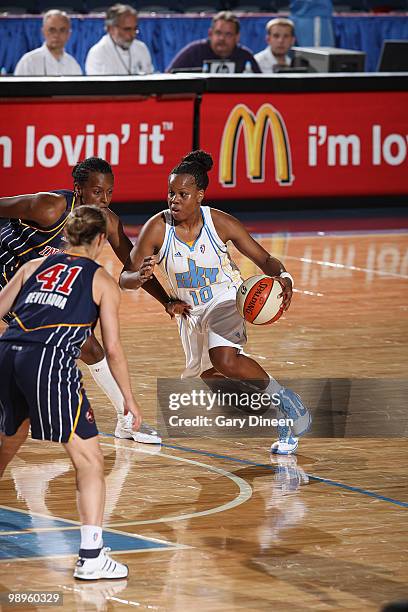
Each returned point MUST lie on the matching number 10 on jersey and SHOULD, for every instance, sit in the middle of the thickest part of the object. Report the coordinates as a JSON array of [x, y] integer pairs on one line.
[[201, 297]]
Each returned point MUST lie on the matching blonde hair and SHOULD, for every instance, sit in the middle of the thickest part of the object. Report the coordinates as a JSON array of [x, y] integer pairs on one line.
[[84, 223], [283, 21]]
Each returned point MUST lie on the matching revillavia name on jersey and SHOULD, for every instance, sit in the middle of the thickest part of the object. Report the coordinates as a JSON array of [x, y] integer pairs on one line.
[[51, 299]]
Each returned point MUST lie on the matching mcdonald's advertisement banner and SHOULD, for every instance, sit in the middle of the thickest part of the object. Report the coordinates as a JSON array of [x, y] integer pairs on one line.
[[41, 140], [288, 145]]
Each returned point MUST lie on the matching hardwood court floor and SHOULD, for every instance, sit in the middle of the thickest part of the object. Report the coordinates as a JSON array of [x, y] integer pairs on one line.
[[216, 524]]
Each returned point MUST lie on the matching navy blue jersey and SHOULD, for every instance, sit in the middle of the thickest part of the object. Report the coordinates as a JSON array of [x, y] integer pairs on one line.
[[21, 241], [55, 306]]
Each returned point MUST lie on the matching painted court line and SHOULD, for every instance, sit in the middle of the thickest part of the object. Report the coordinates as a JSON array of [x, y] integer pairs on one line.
[[331, 264], [75, 555], [327, 481], [332, 483], [154, 544], [245, 489]]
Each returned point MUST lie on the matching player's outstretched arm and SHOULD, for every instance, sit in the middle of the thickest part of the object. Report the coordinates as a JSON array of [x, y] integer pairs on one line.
[[117, 238], [138, 270], [230, 228], [42, 208], [106, 293], [141, 259]]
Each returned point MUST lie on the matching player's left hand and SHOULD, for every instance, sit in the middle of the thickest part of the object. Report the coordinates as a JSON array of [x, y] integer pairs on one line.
[[178, 307], [146, 269], [287, 291]]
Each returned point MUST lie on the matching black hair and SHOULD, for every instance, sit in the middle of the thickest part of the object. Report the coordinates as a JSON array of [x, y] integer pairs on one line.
[[83, 169], [197, 163], [84, 223]]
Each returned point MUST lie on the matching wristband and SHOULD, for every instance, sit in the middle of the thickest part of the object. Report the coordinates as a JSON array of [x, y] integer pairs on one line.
[[287, 275]]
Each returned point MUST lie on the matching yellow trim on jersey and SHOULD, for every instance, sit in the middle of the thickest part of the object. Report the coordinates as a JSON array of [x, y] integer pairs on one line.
[[30, 329], [76, 418], [59, 227], [190, 242], [44, 231]]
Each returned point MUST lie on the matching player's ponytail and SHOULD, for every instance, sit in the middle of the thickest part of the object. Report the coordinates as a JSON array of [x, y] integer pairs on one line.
[[83, 224], [197, 163]]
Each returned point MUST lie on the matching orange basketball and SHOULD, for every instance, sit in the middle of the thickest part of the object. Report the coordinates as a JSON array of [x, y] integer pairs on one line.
[[257, 300]]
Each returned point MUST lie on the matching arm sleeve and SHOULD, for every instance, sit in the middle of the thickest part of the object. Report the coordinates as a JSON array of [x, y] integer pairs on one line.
[[23, 67], [147, 60]]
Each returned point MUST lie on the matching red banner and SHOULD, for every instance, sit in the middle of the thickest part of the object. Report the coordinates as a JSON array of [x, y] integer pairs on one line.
[[40, 142], [287, 145]]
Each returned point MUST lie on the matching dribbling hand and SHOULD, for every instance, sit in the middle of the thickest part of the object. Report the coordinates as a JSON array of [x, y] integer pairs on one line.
[[286, 291], [178, 307]]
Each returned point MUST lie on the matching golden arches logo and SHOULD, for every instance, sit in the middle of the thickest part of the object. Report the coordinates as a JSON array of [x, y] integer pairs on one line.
[[255, 128]]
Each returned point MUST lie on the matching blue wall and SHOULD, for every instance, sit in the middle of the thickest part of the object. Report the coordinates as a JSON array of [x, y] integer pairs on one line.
[[165, 35]]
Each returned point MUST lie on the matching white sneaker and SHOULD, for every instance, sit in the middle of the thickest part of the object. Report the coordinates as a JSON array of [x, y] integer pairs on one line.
[[145, 435], [285, 446], [103, 566]]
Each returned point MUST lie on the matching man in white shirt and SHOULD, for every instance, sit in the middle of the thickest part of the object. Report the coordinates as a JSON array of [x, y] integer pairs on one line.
[[280, 36], [118, 52], [50, 59]]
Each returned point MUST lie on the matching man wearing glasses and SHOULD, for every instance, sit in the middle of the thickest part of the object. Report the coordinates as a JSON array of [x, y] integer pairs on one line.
[[222, 45], [119, 52], [50, 59]]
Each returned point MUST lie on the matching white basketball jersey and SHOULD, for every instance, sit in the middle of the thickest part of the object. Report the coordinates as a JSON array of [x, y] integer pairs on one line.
[[199, 274]]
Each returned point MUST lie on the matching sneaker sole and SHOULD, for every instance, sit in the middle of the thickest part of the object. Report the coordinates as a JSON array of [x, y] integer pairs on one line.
[[142, 438], [276, 451], [100, 576]]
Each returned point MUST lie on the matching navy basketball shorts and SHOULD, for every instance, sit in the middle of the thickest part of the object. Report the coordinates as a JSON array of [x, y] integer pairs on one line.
[[44, 384]]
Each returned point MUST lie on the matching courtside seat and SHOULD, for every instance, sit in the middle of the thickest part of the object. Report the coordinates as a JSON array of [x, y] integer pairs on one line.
[[69, 6]]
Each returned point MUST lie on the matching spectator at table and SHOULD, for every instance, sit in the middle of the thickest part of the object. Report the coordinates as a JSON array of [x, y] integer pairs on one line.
[[280, 36], [119, 52], [222, 44], [50, 59]]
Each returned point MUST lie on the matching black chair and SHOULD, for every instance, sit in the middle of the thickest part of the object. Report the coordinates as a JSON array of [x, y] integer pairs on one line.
[[158, 6], [280, 6], [19, 7], [254, 6], [202, 6], [96, 6], [69, 6], [386, 6]]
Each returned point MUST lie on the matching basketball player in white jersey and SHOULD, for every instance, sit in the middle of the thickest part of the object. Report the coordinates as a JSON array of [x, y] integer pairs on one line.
[[189, 243]]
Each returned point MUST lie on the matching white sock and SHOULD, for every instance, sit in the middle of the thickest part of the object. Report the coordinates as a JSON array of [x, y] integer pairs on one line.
[[103, 377], [91, 537], [273, 387]]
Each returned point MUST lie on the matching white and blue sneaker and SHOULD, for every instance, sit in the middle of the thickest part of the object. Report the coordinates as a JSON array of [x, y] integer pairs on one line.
[[292, 407], [285, 446]]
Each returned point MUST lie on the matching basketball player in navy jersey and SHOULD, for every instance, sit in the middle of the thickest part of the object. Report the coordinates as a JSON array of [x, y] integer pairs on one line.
[[56, 301], [189, 241], [35, 229]]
